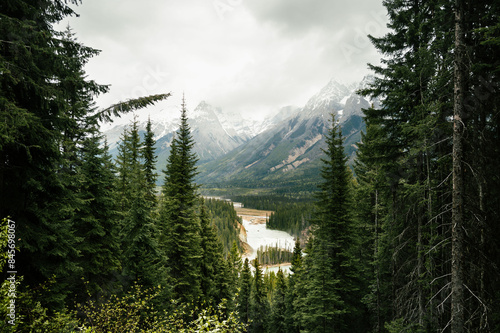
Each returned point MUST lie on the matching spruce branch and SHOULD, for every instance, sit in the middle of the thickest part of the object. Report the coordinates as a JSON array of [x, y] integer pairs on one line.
[[130, 105]]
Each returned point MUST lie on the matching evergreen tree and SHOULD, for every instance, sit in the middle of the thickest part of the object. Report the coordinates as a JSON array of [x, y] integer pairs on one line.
[[43, 111], [421, 82], [292, 325], [245, 293], [214, 285], [333, 291], [278, 322], [143, 258], [46, 113], [150, 159], [178, 219], [369, 213], [259, 305], [234, 269], [96, 221]]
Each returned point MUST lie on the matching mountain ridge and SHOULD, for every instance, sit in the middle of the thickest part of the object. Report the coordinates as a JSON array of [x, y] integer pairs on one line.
[[283, 148]]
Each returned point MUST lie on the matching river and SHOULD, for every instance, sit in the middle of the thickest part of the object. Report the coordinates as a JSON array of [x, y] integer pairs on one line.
[[257, 234]]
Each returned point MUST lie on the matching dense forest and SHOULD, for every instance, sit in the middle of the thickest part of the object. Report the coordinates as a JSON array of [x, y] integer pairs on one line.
[[408, 242]]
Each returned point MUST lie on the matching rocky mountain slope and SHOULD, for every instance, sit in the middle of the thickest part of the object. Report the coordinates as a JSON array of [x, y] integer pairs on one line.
[[288, 154], [283, 151]]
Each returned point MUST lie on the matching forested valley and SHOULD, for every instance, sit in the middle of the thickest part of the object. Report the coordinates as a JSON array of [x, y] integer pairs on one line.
[[404, 240]]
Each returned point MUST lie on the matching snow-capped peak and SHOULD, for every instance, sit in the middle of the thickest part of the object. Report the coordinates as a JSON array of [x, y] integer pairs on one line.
[[333, 92]]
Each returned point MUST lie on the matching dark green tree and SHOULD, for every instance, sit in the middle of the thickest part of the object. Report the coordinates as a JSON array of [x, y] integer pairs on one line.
[[143, 258], [292, 325], [278, 322], [332, 293], [437, 60], [43, 109], [96, 221], [245, 289], [214, 271], [259, 304], [46, 113], [179, 222], [149, 159]]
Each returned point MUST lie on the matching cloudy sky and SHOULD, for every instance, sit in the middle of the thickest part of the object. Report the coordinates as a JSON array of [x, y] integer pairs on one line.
[[252, 56]]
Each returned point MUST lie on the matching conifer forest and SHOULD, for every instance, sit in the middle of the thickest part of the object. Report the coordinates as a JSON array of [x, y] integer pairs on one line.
[[404, 238]]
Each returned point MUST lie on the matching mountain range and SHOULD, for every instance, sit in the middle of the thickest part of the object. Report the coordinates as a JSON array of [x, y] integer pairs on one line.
[[282, 153]]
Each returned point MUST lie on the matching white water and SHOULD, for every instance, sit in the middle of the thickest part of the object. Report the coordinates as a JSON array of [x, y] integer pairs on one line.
[[258, 235]]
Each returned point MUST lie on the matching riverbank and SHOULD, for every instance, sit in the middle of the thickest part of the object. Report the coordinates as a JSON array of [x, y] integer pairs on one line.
[[254, 234]]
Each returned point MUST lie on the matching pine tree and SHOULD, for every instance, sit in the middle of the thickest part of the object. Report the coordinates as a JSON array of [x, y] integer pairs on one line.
[[409, 155], [179, 222], [420, 82], [333, 288], [245, 293], [292, 325], [214, 285], [96, 221], [278, 313], [143, 258], [259, 305], [150, 159], [369, 212], [44, 103]]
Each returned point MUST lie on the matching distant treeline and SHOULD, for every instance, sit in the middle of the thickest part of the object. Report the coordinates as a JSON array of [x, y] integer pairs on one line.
[[224, 218], [269, 202], [275, 254]]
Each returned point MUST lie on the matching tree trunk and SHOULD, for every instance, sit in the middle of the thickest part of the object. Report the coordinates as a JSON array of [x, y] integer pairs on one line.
[[457, 255]]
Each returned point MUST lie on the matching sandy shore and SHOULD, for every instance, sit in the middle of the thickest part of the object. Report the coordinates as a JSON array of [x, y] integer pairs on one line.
[[255, 216]]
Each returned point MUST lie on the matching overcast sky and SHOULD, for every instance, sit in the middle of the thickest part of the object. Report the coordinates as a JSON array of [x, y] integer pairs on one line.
[[252, 56]]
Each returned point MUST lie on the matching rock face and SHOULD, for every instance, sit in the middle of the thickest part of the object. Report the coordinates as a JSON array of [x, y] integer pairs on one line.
[[290, 151], [284, 148]]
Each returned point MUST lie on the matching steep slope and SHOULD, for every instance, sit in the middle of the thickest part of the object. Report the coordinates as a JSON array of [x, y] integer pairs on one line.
[[287, 156], [213, 133]]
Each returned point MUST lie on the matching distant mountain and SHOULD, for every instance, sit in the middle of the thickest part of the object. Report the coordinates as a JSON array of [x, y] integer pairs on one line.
[[287, 155], [215, 132], [283, 151]]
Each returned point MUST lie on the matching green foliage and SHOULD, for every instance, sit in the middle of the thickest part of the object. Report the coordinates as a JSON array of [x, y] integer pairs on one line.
[[278, 314], [148, 155], [293, 218], [96, 220], [226, 221], [179, 223], [270, 255], [245, 288], [329, 283], [259, 304], [118, 109], [136, 312], [132, 312], [215, 282], [143, 258]]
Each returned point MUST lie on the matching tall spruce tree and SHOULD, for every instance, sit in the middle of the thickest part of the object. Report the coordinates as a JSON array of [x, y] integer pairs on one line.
[[46, 113], [333, 288], [214, 284], [259, 305], [43, 109], [245, 289], [143, 258], [96, 221], [179, 222], [369, 212], [148, 154], [291, 322], [436, 213], [278, 323]]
